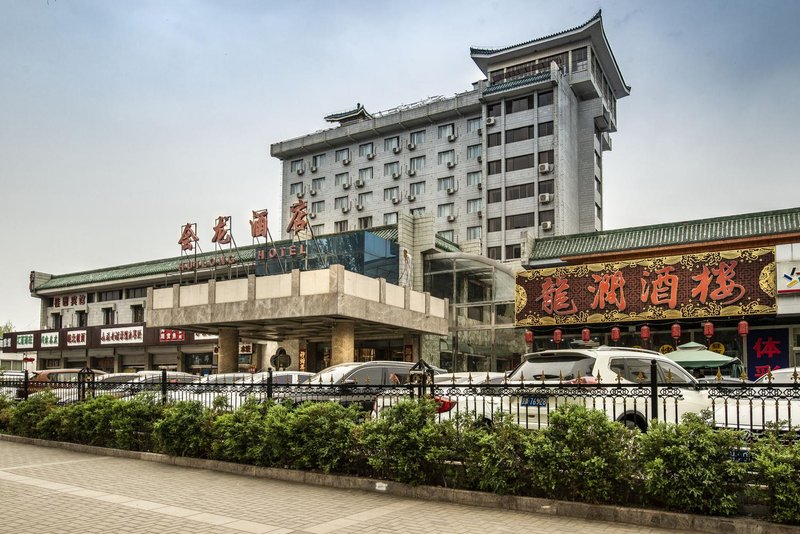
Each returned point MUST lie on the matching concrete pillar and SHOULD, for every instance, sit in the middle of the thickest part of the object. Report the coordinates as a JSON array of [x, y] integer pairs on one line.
[[260, 356], [117, 362], [228, 350], [342, 343]]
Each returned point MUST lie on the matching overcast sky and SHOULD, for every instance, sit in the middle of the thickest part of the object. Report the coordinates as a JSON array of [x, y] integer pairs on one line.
[[120, 121]]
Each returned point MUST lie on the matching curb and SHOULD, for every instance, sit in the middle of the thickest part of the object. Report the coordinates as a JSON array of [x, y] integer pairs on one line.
[[598, 512]]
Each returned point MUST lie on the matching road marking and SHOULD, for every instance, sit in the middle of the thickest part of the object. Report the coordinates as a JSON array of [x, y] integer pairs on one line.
[[29, 466]]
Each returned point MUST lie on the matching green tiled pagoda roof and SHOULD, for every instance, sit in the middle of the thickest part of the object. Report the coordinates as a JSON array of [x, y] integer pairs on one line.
[[663, 235], [490, 51], [519, 82], [151, 268]]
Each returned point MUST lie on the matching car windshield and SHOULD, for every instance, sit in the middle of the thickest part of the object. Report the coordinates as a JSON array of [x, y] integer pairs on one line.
[[553, 366], [118, 379], [332, 375], [781, 376]]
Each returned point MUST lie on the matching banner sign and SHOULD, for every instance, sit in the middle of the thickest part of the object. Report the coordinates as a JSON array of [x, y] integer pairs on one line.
[[709, 284], [121, 336], [24, 341], [48, 340], [166, 335], [76, 338], [767, 350]]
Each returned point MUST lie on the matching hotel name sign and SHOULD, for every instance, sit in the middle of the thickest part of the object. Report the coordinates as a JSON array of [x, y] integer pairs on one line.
[[710, 284]]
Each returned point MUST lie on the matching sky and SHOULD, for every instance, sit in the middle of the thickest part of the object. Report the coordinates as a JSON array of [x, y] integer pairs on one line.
[[121, 121]]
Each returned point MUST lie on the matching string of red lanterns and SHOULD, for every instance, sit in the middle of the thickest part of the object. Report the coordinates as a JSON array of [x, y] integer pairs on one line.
[[743, 329]]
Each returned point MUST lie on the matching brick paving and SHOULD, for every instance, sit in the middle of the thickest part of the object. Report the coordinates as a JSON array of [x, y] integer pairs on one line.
[[47, 490]]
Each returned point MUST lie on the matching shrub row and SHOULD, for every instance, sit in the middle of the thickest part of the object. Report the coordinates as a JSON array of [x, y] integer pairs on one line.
[[580, 456]]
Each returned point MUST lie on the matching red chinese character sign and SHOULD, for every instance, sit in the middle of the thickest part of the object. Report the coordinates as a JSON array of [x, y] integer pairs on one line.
[[767, 350], [298, 222], [188, 237], [258, 225], [710, 284]]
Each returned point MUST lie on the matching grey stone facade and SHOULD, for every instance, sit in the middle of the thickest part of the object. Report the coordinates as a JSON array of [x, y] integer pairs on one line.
[[536, 200]]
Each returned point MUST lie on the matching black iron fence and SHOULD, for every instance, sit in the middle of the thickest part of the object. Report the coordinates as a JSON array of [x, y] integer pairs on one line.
[[745, 406]]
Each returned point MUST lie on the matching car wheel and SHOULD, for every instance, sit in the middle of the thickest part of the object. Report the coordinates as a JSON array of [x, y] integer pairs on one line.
[[634, 422]]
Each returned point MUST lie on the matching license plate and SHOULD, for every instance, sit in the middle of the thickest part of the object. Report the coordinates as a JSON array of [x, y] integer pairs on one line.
[[538, 402]]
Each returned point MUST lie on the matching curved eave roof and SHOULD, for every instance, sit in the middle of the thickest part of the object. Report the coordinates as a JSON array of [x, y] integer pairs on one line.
[[169, 266], [718, 229], [350, 115], [592, 29]]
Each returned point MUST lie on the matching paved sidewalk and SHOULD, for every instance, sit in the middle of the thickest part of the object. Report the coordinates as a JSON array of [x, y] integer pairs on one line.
[[48, 490]]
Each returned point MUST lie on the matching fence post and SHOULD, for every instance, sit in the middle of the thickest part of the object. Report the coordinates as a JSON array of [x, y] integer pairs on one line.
[[163, 386], [269, 383], [654, 388], [25, 384]]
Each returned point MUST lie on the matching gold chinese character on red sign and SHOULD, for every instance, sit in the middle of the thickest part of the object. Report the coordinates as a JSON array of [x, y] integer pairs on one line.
[[609, 290], [723, 276], [663, 289], [222, 234], [298, 221], [258, 226], [188, 237]]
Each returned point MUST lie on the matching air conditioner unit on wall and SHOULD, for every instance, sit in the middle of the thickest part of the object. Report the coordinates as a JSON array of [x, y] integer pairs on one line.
[[300, 171], [480, 186], [346, 185], [546, 225], [346, 209], [412, 198], [544, 168], [489, 121], [544, 198], [451, 218], [359, 183], [313, 168], [300, 194], [480, 214], [346, 161], [371, 155], [480, 131], [480, 159], [451, 190], [451, 164], [312, 215], [452, 137], [359, 207], [412, 146], [396, 175], [395, 200], [397, 149], [313, 192], [412, 172]]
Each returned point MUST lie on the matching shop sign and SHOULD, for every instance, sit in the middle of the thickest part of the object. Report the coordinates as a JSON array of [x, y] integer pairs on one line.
[[69, 300], [717, 347], [767, 350], [48, 340], [205, 337], [76, 338], [6, 343], [788, 278], [245, 348], [24, 341], [710, 284], [171, 336], [666, 349], [121, 336]]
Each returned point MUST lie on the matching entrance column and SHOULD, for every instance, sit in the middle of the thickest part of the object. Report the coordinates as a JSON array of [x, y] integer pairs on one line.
[[228, 358], [342, 343]]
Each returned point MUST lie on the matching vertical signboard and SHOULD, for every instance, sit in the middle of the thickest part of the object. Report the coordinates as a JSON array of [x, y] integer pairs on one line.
[[767, 350]]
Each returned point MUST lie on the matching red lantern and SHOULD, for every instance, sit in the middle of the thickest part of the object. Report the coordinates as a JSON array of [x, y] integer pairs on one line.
[[744, 328], [558, 336], [645, 333], [708, 329], [615, 334], [586, 334], [528, 336], [676, 331]]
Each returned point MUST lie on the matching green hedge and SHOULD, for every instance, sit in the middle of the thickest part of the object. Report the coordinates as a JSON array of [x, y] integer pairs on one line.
[[580, 456]]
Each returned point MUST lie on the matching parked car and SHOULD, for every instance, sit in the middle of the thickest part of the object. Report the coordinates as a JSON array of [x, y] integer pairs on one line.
[[772, 400], [236, 393], [544, 380], [351, 383]]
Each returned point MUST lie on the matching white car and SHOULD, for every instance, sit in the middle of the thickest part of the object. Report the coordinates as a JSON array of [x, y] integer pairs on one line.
[[772, 399], [611, 379], [234, 394]]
